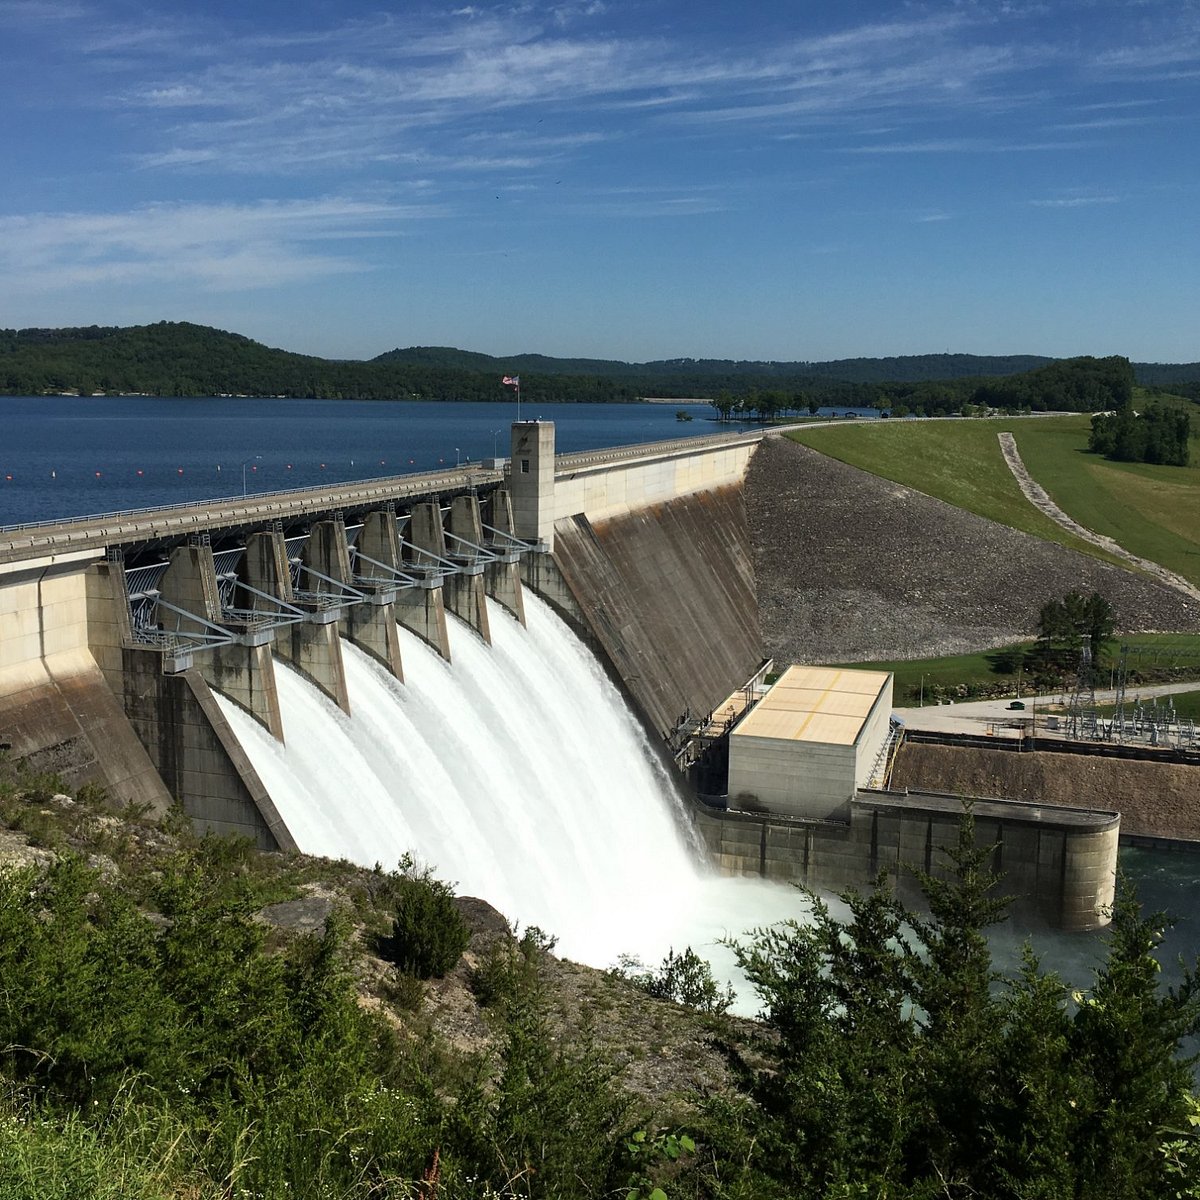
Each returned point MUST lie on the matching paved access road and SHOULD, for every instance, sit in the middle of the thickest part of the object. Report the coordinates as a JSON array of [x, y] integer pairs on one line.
[[994, 717]]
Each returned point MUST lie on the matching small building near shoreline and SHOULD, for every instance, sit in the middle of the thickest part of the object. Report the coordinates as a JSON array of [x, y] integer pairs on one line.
[[811, 742]]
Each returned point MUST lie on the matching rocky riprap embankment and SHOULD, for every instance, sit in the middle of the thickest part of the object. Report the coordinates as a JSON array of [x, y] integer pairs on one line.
[[852, 567]]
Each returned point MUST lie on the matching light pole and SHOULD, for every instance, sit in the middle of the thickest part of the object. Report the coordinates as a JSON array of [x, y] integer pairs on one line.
[[252, 458], [496, 442], [922, 704], [457, 461]]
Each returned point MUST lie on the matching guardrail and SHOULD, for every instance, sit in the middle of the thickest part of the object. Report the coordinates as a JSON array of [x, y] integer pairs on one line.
[[428, 481], [136, 523]]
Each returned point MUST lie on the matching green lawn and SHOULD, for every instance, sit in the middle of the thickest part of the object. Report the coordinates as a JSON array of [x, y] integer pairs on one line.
[[956, 461], [1152, 511], [1187, 704], [1149, 653], [975, 672]]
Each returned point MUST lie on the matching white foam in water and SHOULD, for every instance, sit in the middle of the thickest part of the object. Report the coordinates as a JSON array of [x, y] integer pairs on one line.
[[518, 774]]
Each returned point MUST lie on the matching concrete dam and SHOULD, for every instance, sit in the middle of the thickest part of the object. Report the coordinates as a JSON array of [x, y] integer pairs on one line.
[[174, 654]]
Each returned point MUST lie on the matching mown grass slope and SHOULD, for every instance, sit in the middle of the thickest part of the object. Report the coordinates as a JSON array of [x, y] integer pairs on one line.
[[956, 461], [1151, 511]]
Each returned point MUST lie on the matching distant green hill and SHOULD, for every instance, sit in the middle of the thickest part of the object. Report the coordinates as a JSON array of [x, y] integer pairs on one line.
[[182, 359], [849, 370]]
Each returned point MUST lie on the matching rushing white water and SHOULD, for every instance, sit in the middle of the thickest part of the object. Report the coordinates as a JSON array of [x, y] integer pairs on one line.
[[517, 773]]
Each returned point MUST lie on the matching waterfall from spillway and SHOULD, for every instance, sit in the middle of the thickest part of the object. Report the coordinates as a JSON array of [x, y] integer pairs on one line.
[[517, 773]]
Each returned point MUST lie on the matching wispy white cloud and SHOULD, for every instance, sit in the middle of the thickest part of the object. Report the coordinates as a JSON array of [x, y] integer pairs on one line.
[[227, 247], [1075, 201], [1106, 123], [961, 146], [389, 87], [41, 12]]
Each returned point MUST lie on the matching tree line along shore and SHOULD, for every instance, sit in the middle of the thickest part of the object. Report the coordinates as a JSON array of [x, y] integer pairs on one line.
[[183, 359]]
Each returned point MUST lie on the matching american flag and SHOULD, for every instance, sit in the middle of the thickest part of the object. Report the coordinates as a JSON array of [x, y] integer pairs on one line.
[[511, 381]]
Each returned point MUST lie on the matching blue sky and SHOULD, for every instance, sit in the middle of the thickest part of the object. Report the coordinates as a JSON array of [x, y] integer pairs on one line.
[[631, 179]]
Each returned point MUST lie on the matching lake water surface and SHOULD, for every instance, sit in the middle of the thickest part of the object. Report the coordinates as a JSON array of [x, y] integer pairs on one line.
[[66, 456]]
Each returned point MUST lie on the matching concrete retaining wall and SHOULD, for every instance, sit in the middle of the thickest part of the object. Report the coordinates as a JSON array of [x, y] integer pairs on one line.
[[56, 710], [613, 488], [1060, 868], [196, 753]]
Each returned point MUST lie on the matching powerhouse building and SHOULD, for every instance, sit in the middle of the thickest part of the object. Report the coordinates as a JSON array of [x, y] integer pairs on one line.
[[810, 742]]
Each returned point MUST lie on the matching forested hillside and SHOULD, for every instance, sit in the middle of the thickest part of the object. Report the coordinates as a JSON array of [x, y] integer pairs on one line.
[[182, 359]]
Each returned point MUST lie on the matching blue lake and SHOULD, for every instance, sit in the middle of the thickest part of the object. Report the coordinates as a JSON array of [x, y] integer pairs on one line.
[[66, 456]]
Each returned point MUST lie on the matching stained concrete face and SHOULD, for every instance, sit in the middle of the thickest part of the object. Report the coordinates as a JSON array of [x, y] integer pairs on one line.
[[422, 611], [373, 629], [246, 674], [326, 553], [197, 754], [426, 540], [43, 608], [189, 586], [379, 547], [502, 581], [315, 650], [265, 568], [668, 592]]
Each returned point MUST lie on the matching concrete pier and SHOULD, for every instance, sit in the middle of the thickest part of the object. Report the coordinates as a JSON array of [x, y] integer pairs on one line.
[[502, 576], [313, 646], [463, 590], [422, 611], [196, 753], [244, 671]]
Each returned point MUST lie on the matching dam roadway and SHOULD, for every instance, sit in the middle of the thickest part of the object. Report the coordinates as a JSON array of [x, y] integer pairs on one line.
[[96, 533]]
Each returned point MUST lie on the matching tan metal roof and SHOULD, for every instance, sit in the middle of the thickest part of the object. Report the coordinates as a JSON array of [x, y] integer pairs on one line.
[[815, 704]]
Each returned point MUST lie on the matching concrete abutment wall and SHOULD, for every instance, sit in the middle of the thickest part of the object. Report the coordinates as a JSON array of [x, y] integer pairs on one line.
[[1060, 873]]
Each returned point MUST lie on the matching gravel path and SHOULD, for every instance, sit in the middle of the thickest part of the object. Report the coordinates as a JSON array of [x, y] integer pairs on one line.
[[853, 567], [1040, 499]]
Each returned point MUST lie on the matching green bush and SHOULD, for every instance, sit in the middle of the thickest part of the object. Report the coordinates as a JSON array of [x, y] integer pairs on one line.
[[684, 978], [428, 934], [511, 966]]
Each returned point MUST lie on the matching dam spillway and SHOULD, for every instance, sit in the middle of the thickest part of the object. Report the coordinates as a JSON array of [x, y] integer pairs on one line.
[[130, 647], [518, 773]]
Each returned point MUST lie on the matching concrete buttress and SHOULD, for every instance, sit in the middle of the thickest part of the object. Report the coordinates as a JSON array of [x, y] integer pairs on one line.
[[422, 608], [371, 625], [313, 646], [245, 673], [502, 579], [196, 752], [465, 594]]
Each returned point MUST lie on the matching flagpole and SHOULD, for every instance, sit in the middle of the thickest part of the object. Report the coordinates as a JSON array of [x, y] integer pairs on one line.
[[514, 381]]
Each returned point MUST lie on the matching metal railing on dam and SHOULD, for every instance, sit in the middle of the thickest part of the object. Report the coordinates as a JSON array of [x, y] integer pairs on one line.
[[99, 531]]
